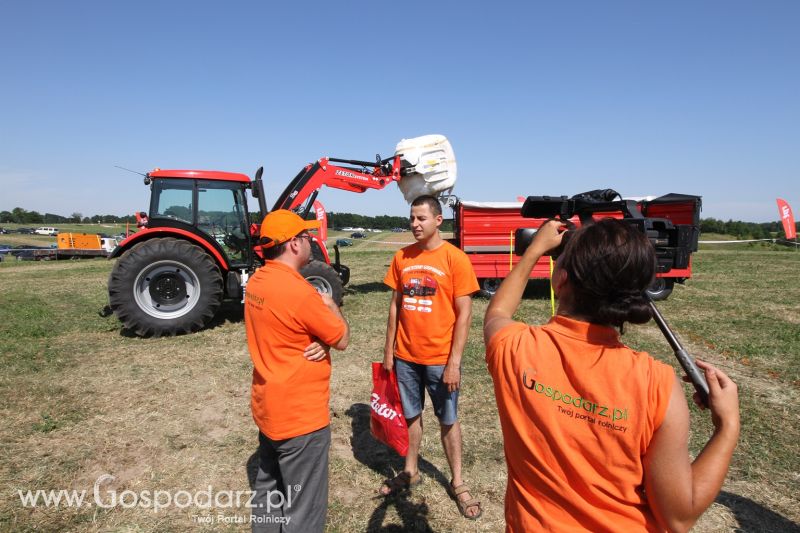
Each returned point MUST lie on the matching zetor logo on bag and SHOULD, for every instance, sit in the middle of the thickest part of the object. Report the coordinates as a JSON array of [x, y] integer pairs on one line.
[[381, 409], [386, 422]]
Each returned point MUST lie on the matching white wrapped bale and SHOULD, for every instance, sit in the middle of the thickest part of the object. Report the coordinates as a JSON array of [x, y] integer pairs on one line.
[[430, 166]]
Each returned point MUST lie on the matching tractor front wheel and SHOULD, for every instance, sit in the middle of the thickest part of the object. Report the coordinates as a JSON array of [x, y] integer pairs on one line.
[[164, 287], [324, 278]]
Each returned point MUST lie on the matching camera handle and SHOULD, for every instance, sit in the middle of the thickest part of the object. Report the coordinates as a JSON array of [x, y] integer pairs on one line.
[[686, 361]]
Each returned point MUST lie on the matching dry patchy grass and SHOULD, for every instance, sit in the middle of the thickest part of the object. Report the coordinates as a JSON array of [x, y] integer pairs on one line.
[[80, 399]]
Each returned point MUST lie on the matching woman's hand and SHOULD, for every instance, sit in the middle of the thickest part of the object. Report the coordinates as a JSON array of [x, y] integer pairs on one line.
[[723, 398], [548, 237]]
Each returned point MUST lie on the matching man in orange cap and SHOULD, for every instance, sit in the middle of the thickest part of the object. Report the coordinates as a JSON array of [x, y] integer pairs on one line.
[[289, 329]]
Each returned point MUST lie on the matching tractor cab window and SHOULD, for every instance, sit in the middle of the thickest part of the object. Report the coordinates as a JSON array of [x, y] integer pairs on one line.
[[221, 215], [173, 199]]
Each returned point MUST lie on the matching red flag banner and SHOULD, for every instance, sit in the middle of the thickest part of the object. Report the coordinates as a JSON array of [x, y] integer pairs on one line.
[[787, 218], [322, 216]]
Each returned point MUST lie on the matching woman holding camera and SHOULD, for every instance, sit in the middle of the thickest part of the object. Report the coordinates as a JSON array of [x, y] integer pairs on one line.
[[596, 434]]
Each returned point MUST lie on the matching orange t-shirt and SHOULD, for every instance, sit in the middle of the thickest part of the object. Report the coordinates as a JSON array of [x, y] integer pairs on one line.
[[283, 314], [429, 282], [578, 411]]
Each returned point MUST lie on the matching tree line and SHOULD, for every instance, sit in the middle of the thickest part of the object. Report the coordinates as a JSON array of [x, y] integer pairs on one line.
[[743, 230], [22, 216], [384, 222], [736, 228]]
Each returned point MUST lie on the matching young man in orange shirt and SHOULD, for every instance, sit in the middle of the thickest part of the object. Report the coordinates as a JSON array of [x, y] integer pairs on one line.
[[429, 317], [289, 329]]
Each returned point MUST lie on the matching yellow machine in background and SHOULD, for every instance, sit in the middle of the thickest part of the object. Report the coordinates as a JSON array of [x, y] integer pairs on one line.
[[85, 244]]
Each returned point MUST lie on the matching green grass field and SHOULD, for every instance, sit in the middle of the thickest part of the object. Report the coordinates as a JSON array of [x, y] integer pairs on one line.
[[82, 399]]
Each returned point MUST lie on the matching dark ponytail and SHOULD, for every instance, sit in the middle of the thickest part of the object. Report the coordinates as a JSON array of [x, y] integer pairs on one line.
[[609, 264]]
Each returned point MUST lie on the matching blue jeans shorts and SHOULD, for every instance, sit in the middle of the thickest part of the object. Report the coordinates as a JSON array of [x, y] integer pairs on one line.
[[413, 379]]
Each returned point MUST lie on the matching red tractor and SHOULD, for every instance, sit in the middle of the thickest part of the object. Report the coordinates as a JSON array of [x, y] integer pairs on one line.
[[197, 246]]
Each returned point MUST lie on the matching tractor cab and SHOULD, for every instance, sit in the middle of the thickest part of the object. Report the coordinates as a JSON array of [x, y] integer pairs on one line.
[[211, 205]]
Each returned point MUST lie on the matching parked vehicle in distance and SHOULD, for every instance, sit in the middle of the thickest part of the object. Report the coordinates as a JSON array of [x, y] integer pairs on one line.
[[3, 231], [358, 235], [26, 252], [26, 231], [344, 242], [398, 230], [46, 230]]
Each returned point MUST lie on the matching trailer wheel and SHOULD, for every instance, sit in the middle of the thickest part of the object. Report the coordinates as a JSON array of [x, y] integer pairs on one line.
[[660, 289], [489, 286], [164, 287], [324, 278]]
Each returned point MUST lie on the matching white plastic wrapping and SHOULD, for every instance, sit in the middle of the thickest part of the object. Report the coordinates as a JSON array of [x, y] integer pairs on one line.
[[430, 165]]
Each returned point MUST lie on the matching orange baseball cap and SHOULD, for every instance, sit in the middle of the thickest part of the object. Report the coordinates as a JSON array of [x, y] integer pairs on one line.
[[281, 225]]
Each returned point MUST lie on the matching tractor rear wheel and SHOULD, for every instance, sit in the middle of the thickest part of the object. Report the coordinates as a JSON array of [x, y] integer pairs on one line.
[[660, 289], [164, 287], [489, 286], [324, 278]]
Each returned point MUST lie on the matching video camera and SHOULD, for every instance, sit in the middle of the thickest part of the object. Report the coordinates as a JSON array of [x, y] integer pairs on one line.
[[673, 242]]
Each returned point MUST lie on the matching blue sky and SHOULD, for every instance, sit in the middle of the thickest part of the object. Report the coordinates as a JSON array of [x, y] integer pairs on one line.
[[536, 98]]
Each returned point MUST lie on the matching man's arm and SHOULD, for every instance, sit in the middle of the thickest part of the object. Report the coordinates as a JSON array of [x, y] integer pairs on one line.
[[679, 491], [452, 370], [342, 343], [391, 331], [318, 350], [506, 300]]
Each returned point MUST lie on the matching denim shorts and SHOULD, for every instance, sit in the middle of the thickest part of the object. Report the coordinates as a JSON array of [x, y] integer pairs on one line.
[[413, 379]]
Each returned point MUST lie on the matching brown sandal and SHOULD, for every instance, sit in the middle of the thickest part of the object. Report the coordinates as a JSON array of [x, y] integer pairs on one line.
[[463, 505], [402, 482]]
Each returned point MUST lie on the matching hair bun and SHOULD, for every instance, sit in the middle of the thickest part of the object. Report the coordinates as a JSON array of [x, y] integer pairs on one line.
[[609, 265]]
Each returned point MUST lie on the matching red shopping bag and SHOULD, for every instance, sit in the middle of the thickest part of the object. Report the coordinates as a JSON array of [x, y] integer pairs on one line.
[[387, 422]]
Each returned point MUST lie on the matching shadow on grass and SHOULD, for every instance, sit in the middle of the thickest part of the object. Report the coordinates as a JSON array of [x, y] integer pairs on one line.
[[752, 516], [364, 288], [385, 461], [413, 516], [229, 311]]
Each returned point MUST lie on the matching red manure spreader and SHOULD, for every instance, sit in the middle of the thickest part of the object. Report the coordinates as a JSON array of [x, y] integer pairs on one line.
[[486, 231]]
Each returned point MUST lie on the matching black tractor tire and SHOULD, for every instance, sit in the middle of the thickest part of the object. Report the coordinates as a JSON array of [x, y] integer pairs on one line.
[[324, 278], [165, 287], [660, 289]]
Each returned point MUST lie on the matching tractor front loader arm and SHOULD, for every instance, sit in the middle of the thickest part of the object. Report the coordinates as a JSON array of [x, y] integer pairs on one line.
[[324, 172]]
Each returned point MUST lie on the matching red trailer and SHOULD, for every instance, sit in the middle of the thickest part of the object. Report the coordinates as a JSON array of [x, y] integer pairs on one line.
[[485, 231]]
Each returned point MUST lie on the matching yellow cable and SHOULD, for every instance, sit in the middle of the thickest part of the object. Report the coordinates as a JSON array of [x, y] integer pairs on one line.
[[510, 250]]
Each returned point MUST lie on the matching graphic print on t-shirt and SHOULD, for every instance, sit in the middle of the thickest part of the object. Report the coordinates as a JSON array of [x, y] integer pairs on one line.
[[419, 287]]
